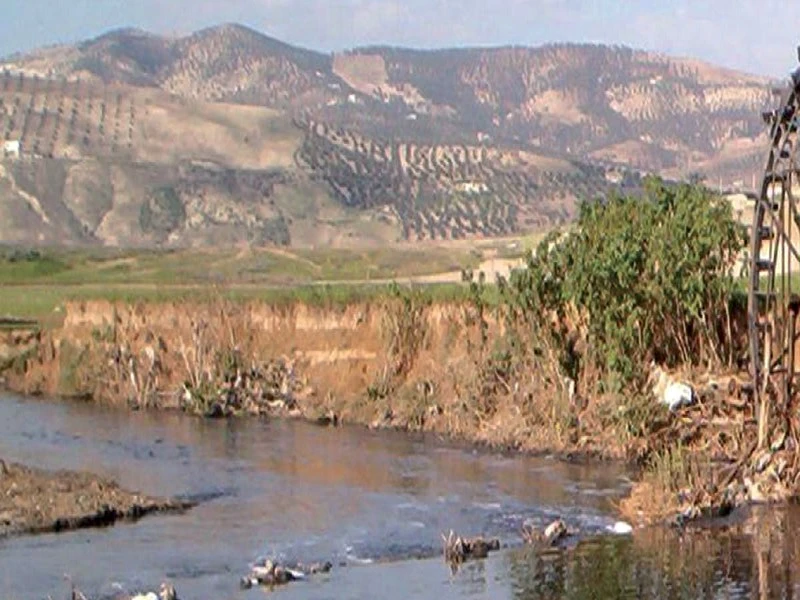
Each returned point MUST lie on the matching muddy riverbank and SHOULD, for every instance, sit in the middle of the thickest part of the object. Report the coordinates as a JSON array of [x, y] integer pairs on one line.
[[38, 501], [407, 364]]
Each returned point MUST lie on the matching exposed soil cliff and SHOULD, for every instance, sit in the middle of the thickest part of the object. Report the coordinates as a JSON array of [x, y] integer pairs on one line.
[[404, 363], [391, 363]]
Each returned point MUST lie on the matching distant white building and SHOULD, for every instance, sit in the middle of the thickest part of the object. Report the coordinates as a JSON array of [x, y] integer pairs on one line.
[[472, 187], [12, 148], [741, 206]]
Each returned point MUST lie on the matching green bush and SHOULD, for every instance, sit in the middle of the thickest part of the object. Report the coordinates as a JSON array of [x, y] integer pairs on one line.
[[641, 278], [163, 211], [21, 264]]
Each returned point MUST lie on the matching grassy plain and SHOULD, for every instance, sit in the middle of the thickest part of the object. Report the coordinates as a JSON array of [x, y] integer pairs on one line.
[[33, 283]]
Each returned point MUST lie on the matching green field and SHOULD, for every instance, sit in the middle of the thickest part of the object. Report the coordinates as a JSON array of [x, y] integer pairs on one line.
[[34, 283], [227, 267], [42, 302]]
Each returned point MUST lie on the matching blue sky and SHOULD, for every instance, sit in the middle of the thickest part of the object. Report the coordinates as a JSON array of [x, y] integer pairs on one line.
[[736, 33]]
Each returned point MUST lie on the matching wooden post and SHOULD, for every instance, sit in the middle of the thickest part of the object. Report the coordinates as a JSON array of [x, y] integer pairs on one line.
[[763, 395]]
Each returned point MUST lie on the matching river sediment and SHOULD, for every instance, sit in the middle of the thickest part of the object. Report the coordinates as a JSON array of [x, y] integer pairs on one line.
[[39, 501]]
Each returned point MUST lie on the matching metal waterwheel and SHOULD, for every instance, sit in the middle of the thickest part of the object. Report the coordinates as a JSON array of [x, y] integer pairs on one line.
[[774, 287]]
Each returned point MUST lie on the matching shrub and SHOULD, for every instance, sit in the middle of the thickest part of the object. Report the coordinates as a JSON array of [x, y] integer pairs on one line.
[[404, 327], [639, 279], [162, 212]]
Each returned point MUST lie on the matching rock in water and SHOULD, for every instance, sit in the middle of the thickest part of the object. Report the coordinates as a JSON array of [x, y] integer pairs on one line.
[[555, 531]]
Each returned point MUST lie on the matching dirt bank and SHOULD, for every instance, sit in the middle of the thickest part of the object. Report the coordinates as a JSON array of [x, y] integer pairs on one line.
[[409, 364], [36, 501]]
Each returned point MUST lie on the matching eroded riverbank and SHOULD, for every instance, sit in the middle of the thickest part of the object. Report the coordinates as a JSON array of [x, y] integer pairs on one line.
[[401, 363]]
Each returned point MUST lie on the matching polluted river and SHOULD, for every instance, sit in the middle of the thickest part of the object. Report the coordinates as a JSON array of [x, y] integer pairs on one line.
[[375, 504]]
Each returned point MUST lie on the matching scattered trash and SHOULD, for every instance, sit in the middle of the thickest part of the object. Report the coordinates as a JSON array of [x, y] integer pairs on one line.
[[762, 461], [552, 534], [458, 549], [269, 573], [555, 531], [674, 394], [166, 592], [267, 388], [620, 528], [677, 395]]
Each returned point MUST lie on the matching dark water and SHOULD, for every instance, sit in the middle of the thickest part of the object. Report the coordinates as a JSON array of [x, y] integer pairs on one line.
[[374, 503]]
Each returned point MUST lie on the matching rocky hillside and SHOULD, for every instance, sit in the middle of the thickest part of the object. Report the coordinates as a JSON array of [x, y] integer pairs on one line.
[[229, 136]]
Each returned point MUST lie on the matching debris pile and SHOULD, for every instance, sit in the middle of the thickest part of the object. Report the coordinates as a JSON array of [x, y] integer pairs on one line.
[[458, 549], [268, 388], [706, 461], [269, 573]]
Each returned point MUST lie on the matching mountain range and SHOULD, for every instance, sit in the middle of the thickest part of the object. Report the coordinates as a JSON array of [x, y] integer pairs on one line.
[[228, 136]]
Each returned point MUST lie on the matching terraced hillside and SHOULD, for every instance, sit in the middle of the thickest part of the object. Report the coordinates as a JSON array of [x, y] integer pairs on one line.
[[447, 191], [593, 102], [78, 118], [60, 117], [119, 165], [589, 102], [227, 136], [114, 164]]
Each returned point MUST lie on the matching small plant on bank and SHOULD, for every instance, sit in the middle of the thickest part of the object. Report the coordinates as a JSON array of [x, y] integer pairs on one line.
[[404, 327], [404, 330]]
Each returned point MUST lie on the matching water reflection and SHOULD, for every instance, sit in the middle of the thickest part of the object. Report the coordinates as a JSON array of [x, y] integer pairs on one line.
[[313, 493], [285, 488], [757, 558]]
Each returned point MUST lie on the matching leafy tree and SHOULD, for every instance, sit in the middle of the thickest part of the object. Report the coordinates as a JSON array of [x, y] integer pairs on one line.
[[643, 278]]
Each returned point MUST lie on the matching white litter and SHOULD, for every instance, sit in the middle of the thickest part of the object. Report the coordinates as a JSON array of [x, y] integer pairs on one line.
[[674, 394], [620, 528]]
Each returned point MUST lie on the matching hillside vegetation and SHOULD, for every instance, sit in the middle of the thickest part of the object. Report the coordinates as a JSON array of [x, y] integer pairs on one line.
[[228, 136]]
